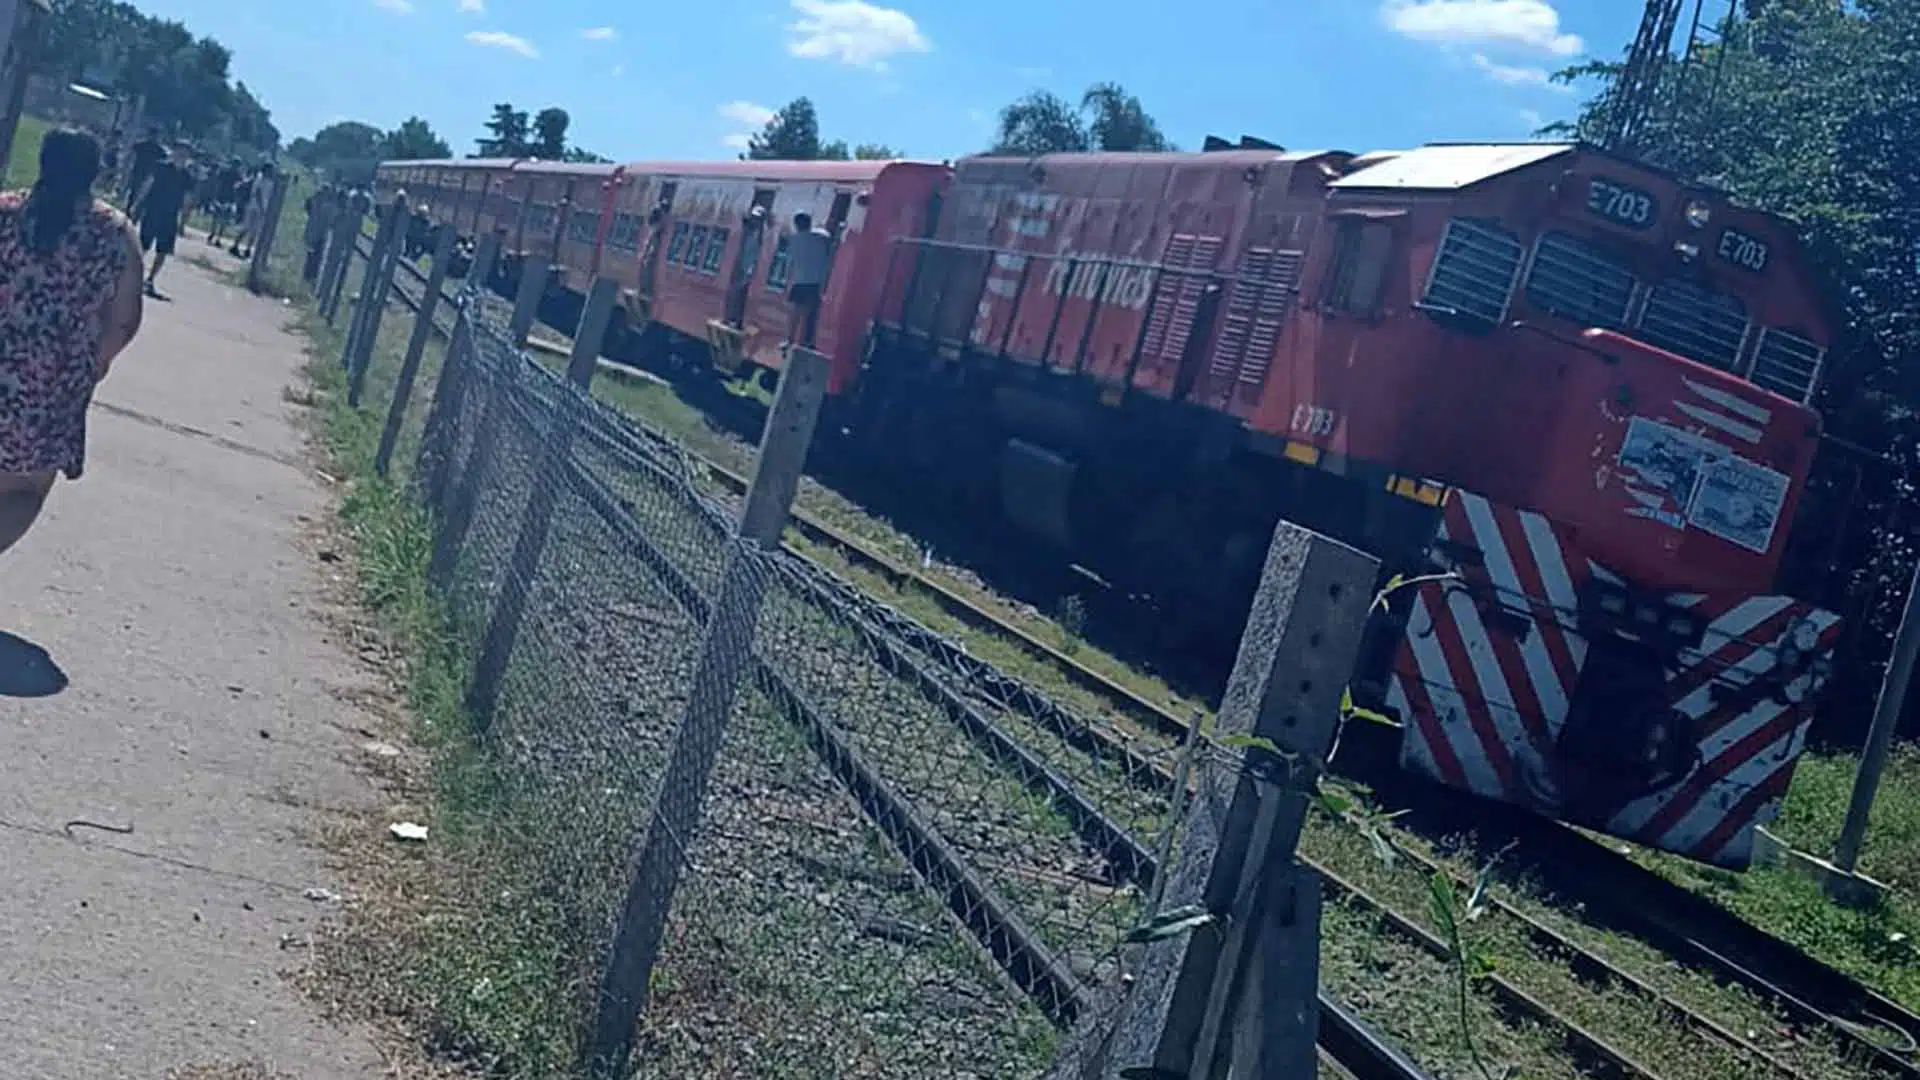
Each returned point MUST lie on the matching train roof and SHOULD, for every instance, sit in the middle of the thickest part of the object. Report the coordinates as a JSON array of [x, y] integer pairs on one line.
[[1445, 166], [1108, 159], [849, 172]]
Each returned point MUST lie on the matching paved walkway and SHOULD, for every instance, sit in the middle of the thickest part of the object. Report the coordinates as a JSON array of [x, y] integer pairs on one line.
[[202, 707]]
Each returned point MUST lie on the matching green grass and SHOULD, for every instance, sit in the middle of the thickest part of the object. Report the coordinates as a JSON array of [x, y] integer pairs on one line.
[[1876, 944], [23, 162]]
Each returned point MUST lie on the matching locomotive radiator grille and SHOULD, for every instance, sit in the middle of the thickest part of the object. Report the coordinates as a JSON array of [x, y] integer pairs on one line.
[[1787, 364], [1474, 271], [1684, 318], [1575, 280]]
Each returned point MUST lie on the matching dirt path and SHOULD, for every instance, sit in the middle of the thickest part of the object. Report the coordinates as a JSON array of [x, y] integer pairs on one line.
[[202, 707]]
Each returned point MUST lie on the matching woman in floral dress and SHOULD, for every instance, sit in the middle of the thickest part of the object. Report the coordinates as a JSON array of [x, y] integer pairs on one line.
[[70, 278]]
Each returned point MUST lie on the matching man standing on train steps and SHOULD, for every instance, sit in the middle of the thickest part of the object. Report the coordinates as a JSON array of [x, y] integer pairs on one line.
[[809, 254]]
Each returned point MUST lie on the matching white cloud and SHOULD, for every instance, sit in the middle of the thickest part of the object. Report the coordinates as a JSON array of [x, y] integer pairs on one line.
[[853, 32], [473, 7], [1518, 75], [749, 113], [1528, 24], [600, 33], [746, 114], [499, 39], [398, 7]]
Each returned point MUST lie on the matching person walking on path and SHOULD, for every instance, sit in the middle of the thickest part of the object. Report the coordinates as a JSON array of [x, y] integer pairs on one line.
[[69, 304], [147, 154], [254, 223], [159, 208]]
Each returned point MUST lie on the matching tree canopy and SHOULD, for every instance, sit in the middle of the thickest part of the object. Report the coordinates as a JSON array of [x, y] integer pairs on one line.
[[510, 134], [183, 79], [1107, 118], [350, 151], [793, 134]]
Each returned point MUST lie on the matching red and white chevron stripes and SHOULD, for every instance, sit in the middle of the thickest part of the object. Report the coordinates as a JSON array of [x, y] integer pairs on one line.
[[1491, 663]]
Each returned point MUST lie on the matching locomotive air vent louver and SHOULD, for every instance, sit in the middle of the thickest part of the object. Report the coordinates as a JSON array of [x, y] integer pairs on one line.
[[1248, 142]]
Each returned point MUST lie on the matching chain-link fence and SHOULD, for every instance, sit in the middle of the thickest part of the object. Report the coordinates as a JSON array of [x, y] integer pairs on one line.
[[727, 814]]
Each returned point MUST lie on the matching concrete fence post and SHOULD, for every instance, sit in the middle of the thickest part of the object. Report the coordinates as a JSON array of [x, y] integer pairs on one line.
[[341, 239], [475, 476], [438, 445], [382, 270], [269, 230], [1237, 994], [509, 607], [423, 327], [363, 303], [726, 650]]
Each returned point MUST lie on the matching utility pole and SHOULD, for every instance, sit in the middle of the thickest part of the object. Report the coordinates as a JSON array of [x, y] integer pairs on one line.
[[1886, 717]]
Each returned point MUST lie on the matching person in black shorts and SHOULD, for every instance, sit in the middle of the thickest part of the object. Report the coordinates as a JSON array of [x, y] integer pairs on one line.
[[225, 210], [160, 204], [148, 153]]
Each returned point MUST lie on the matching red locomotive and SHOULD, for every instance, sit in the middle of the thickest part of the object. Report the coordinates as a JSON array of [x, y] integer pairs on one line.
[[1565, 391]]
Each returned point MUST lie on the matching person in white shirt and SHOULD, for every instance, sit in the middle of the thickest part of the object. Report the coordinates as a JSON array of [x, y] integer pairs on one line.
[[809, 254]]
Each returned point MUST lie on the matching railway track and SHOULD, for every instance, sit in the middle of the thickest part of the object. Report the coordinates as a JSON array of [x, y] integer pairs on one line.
[[968, 692]]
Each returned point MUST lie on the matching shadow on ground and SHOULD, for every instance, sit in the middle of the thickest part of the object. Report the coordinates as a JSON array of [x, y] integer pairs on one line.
[[27, 670]]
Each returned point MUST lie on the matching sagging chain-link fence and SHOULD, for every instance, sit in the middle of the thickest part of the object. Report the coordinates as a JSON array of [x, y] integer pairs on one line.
[[904, 869], [736, 817]]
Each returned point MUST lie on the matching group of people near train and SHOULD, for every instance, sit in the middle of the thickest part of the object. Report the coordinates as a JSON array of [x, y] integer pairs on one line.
[[167, 183]]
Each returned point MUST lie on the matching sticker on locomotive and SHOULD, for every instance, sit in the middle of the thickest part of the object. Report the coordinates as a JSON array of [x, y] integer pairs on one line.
[[1739, 502], [1662, 467], [1681, 479]]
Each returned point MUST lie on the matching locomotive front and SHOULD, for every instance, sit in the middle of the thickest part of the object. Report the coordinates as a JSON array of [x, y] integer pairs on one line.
[[1610, 374]]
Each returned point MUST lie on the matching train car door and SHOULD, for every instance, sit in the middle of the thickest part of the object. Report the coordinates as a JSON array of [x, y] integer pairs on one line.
[[752, 236], [661, 219]]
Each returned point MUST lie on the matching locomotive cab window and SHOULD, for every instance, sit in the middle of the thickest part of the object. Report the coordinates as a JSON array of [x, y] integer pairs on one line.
[[1357, 278], [1473, 271]]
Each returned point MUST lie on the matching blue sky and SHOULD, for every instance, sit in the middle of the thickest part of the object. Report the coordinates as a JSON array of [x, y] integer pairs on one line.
[[646, 79]]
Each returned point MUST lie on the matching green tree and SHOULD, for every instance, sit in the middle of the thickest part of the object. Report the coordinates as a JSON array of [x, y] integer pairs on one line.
[[1108, 118], [792, 135], [348, 151], [1042, 122], [1119, 122], [414, 140], [876, 152], [183, 79], [507, 131], [550, 134]]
